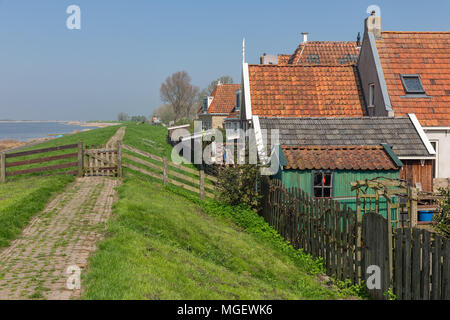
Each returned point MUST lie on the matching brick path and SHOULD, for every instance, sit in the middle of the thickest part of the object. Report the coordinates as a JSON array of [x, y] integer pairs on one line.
[[35, 265]]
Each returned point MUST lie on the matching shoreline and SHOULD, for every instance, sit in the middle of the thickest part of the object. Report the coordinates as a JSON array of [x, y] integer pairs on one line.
[[8, 144]]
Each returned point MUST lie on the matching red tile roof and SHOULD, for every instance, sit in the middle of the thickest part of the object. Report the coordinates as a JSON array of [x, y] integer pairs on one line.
[[426, 54], [338, 158], [283, 59], [305, 91], [224, 98], [325, 53]]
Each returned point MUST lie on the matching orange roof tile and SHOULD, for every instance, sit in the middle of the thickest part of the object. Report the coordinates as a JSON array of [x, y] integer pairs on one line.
[[338, 158], [305, 91], [426, 54], [224, 99], [325, 53], [283, 59]]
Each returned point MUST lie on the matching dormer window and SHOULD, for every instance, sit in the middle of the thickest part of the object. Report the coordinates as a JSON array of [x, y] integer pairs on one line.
[[412, 84], [205, 105], [238, 100]]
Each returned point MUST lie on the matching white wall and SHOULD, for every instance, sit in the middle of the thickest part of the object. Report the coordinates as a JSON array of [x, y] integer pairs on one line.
[[443, 138]]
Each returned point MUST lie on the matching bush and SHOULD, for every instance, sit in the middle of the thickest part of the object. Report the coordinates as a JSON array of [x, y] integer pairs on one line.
[[239, 184], [442, 217]]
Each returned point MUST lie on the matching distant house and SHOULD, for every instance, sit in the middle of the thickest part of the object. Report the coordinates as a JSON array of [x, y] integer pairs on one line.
[[217, 107], [409, 72], [323, 155]]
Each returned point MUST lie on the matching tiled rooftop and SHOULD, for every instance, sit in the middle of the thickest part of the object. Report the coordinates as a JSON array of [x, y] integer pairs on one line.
[[426, 54], [338, 158], [305, 91], [325, 53], [224, 98]]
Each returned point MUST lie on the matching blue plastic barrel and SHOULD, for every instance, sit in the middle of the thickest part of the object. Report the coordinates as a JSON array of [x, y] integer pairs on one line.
[[425, 215]]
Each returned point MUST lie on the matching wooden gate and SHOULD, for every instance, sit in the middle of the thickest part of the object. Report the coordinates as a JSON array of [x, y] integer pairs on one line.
[[375, 252], [102, 161]]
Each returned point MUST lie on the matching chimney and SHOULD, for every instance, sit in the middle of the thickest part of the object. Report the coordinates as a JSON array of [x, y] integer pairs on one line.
[[268, 59], [373, 25], [305, 37]]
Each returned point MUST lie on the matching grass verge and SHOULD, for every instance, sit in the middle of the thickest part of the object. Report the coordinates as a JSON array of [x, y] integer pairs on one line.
[[164, 245]]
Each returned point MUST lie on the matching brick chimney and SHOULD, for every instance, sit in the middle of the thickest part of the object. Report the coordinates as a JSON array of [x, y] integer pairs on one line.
[[373, 25]]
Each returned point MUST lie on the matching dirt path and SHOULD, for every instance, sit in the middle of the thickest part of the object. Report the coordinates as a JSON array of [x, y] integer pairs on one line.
[[63, 236]]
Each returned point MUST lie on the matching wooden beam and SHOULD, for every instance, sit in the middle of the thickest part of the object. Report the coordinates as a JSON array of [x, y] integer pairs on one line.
[[27, 153]]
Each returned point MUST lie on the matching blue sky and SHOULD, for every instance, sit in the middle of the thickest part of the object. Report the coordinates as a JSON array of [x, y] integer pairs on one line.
[[125, 49]]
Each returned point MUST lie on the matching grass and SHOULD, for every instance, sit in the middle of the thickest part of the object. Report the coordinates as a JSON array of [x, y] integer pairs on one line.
[[164, 243], [21, 197]]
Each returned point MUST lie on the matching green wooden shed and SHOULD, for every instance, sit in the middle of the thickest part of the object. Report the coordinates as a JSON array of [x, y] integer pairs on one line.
[[327, 171]]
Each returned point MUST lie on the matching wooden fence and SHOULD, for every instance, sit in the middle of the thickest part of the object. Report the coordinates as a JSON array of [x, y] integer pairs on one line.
[[350, 244], [77, 156], [162, 169]]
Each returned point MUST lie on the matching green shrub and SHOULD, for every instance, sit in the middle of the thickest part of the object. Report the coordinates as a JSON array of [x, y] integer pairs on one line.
[[442, 217]]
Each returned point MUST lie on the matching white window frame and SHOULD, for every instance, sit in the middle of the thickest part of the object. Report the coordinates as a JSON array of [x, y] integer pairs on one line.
[[436, 161], [371, 101]]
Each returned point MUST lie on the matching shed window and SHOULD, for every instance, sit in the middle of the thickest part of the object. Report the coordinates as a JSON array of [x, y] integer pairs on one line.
[[371, 94], [322, 184], [412, 83]]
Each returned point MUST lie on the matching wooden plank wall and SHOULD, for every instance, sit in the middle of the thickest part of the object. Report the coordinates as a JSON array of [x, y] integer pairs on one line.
[[413, 172]]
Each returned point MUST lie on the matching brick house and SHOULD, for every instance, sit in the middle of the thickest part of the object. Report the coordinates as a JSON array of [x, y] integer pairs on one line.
[[217, 107], [409, 72]]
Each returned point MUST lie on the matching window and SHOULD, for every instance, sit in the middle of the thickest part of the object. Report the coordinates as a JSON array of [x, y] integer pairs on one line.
[[205, 105], [412, 84], [435, 145], [322, 184], [371, 94], [238, 100]]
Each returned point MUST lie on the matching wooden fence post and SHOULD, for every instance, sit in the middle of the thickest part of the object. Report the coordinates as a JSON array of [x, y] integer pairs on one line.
[[202, 184], [359, 271], [165, 171], [2, 167], [80, 159], [119, 159], [390, 245], [413, 218]]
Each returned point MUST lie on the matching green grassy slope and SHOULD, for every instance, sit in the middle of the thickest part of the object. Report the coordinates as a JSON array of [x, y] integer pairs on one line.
[[21, 197], [163, 243]]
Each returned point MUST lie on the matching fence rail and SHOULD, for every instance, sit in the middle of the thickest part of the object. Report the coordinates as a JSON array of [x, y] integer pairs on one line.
[[165, 171], [4, 165], [350, 244]]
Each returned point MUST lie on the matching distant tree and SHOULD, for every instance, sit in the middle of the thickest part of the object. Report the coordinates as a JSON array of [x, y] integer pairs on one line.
[[213, 84], [178, 91], [165, 113], [123, 117], [142, 119]]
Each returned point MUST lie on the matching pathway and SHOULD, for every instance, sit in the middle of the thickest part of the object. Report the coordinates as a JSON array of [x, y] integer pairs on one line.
[[62, 236]]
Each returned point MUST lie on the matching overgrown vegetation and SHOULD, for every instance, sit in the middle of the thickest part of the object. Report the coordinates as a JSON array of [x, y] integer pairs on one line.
[[442, 216], [239, 185]]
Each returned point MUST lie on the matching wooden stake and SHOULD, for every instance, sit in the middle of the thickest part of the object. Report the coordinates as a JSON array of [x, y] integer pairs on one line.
[[165, 171], [2, 167]]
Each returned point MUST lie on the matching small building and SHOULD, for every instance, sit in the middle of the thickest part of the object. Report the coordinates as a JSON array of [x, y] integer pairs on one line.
[[327, 171], [343, 150], [217, 107]]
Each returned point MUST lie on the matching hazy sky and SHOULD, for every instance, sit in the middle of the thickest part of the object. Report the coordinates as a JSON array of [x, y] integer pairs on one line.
[[125, 49]]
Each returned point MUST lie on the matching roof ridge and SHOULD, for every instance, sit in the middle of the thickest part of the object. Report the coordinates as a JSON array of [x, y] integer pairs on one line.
[[350, 64], [415, 32]]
